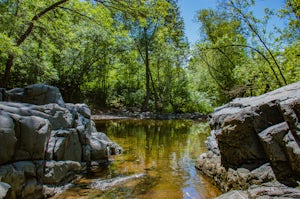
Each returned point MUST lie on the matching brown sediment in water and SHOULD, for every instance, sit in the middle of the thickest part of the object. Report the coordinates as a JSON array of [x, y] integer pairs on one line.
[[165, 151]]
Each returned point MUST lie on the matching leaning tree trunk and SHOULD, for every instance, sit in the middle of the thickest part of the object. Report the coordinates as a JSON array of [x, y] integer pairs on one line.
[[10, 60]]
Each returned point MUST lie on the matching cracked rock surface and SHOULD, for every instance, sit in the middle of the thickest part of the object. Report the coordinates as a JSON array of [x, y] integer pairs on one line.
[[254, 141], [44, 141]]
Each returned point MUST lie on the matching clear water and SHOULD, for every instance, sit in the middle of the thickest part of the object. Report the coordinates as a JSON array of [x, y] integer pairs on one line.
[[165, 151]]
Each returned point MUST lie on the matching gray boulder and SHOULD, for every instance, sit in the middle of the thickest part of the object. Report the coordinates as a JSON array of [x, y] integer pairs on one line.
[[236, 127], [59, 117], [228, 179], [37, 94], [27, 167], [254, 141], [272, 140], [58, 172], [64, 145], [8, 138], [2, 94], [32, 133], [265, 191], [44, 141], [84, 110], [102, 146], [235, 194]]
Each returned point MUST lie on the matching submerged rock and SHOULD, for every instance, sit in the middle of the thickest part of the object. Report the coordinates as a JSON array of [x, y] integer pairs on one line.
[[110, 183], [4, 189], [255, 134], [45, 141]]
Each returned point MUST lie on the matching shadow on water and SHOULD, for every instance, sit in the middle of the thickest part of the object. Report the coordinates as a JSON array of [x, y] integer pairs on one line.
[[164, 151]]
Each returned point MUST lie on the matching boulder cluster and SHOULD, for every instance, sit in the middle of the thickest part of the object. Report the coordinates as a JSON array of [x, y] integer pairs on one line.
[[45, 142], [254, 146]]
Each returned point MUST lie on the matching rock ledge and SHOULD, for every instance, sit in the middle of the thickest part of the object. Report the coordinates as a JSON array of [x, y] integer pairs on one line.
[[45, 141], [255, 141]]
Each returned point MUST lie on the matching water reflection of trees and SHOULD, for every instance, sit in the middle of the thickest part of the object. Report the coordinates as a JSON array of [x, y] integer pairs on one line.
[[154, 141], [161, 149]]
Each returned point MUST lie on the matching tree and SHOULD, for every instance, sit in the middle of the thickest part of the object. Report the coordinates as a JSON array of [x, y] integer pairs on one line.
[[238, 57], [239, 11], [20, 37], [221, 62], [145, 32], [157, 36], [21, 18], [292, 9]]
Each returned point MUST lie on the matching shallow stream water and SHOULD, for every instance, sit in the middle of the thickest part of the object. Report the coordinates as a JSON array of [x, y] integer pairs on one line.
[[162, 153]]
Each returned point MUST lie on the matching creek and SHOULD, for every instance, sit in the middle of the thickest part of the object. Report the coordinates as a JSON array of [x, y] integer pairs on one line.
[[158, 162]]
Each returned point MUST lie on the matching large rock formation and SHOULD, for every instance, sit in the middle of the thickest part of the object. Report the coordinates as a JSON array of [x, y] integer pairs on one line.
[[44, 141], [255, 140]]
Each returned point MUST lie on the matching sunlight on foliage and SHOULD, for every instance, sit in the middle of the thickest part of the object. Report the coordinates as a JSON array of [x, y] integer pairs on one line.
[[135, 55]]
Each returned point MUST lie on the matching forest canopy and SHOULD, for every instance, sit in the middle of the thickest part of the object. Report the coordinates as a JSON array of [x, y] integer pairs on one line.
[[134, 54]]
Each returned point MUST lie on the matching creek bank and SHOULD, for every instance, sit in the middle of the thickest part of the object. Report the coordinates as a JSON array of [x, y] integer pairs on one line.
[[125, 114], [45, 142], [254, 146]]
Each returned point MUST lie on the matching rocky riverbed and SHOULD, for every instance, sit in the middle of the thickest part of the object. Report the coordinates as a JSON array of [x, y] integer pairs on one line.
[[253, 149], [45, 142]]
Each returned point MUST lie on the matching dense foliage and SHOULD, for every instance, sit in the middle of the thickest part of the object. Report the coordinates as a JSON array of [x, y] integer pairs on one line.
[[134, 54], [239, 57]]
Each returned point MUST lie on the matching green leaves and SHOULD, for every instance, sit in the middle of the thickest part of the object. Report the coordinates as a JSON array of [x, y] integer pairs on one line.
[[123, 53], [7, 46], [237, 57]]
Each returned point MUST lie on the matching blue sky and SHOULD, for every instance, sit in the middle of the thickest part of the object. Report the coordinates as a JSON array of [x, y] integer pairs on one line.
[[189, 9]]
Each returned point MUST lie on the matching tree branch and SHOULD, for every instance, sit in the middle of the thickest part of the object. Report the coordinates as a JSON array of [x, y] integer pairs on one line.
[[254, 49], [35, 18], [260, 39]]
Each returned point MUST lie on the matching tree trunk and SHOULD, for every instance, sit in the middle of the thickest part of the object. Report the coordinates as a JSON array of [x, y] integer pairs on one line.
[[10, 60], [8, 66], [147, 64]]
